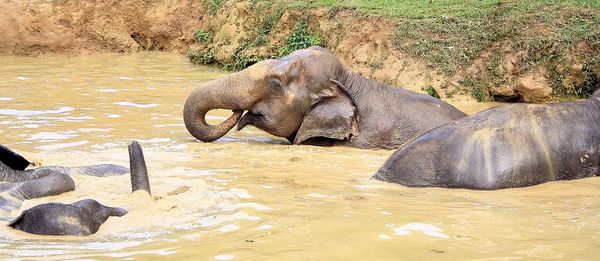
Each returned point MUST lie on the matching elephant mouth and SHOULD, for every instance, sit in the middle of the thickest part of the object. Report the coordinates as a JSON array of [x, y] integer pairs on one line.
[[249, 118]]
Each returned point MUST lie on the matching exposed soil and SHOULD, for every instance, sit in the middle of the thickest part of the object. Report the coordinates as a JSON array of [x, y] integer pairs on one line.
[[365, 43], [37, 27]]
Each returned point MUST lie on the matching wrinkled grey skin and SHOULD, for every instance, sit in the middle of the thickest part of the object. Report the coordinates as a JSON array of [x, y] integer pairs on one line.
[[80, 218], [18, 184], [310, 97], [505, 147]]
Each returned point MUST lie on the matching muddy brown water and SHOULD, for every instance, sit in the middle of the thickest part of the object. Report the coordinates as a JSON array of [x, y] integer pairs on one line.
[[249, 195]]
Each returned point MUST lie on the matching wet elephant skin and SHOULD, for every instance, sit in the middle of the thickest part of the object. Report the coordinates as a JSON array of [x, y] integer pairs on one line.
[[511, 146], [310, 97]]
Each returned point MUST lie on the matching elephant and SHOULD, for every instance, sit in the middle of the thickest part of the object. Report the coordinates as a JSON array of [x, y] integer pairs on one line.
[[311, 97], [39, 182], [80, 218], [510, 146], [13, 168]]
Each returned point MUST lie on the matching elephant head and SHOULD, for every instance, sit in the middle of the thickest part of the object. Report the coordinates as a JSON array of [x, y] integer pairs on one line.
[[295, 97]]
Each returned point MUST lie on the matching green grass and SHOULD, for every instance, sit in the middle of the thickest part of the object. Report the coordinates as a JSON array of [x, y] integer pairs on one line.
[[477, 88], [240, 60], [202, 36], [300, 38], [265, 28], [431, 91], [204, 57], [213, 5], [448, 36], [418, 9]]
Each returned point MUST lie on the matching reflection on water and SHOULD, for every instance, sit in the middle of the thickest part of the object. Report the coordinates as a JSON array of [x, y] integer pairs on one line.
[[251, 195]]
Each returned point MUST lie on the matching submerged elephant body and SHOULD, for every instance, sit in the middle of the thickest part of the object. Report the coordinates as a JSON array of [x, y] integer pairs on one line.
[[310, 97], [505, 147], [22, 184], [80, 218]]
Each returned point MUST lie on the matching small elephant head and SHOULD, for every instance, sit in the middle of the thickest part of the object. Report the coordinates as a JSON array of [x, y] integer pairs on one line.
[[296, 97], [81, 218]]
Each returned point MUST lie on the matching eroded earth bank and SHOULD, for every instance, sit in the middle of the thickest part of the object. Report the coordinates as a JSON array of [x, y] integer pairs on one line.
[[508, 51]]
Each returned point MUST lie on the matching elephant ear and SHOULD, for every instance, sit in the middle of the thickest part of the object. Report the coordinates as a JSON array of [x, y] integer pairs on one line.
[[333, 118]]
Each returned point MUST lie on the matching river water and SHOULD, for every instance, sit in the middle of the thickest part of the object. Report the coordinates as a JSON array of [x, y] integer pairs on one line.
[[250, 195]]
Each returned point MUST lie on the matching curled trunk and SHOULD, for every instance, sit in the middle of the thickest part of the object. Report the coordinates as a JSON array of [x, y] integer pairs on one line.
[[232, 92]]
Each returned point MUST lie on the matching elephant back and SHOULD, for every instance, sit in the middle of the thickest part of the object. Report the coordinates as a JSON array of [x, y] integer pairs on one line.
[[596, 94]]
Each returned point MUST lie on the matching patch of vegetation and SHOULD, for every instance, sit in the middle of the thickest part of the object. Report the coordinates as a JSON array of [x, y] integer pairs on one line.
[[300, 38], [493, 65], [202, 36], [431, 91], [590, 84], [213, 5], [205, 57], [452, 43], [267, 26], [376, 61], [241, 61], [477, 89], [448, 36], [418, 9]]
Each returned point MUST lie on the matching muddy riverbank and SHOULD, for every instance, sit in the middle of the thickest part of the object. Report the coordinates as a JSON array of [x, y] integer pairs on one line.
[[510, 51]]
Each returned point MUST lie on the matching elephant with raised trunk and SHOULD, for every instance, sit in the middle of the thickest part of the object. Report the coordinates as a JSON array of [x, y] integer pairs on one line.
[[310, 97], [80, 218], [511, 146], [17, 183]]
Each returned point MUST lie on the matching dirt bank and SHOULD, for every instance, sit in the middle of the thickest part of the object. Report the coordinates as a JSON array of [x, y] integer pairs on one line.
[[36, 27], [507, 58]]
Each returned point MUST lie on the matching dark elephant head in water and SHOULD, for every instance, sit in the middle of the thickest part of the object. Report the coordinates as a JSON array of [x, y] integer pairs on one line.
[[310, 97], [505, 147], [80, 218]]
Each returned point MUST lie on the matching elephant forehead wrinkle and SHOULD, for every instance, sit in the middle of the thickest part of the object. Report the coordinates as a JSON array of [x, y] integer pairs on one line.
[[257, 71]]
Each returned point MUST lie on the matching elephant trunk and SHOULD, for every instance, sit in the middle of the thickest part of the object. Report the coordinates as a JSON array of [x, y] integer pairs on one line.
[[232, 92], [139, 173]]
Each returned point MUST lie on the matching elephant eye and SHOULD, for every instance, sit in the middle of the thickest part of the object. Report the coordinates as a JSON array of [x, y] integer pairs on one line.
[[275, 83]]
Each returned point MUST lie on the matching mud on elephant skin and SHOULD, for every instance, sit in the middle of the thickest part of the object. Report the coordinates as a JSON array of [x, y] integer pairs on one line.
[[80, 218], [505, 147], [310, 97]]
